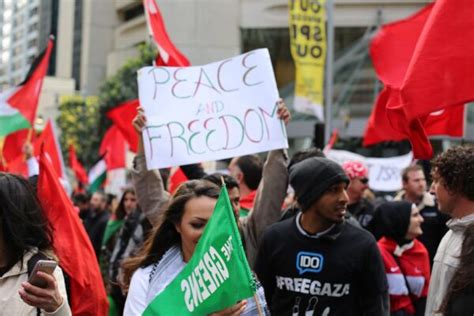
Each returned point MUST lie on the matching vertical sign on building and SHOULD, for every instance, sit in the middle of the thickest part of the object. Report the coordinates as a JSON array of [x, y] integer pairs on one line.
[[308, 48]]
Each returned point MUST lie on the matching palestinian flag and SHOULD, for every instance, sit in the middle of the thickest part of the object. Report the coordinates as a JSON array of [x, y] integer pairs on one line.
[[18, 105], [220, 260], [97, 175]]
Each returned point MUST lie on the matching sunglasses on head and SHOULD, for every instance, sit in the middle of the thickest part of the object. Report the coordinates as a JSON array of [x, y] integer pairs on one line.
[[364, 180]]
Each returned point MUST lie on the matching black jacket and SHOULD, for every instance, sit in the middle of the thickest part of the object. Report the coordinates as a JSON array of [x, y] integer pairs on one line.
[[95, 225], [338, 273]]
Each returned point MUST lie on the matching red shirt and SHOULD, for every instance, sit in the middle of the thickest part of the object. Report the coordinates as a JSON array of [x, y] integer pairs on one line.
[[248, 200], [413, 268]]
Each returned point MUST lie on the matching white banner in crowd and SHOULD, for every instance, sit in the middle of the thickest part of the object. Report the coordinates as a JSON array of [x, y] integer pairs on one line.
[[384, 173], [210, 112]]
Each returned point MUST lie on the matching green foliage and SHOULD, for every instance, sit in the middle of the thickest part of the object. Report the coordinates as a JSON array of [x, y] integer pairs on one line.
[[123, 85], [78, 120]]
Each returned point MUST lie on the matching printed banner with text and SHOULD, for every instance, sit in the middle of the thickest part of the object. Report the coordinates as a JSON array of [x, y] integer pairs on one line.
[[218, 274], [217, 111], [308, 48], [384, 173]]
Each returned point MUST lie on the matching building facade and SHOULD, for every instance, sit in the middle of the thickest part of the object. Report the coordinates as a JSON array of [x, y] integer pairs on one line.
[[96, 37]]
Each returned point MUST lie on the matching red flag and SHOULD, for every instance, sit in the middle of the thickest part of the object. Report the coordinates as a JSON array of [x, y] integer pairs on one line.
[[18, 166], [76, 166], [168, 55], [113, 148], [3, 165], [122, 116], [25, 98], [332, 141], [391, 51], [441, 71], [177, 177], [48, 141], [72, 245], [13, 146]]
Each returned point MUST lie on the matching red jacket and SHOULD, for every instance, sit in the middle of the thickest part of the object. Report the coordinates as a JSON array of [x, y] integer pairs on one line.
[[413, 268]]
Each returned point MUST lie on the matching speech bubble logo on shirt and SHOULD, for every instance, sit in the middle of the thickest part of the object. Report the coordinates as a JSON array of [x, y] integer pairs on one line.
[[309, 262]]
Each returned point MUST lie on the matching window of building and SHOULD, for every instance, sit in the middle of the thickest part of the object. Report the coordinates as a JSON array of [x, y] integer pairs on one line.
[[33, 27], [133, 12], [32, 43], [354, 77], [17, 51], [33, 12]]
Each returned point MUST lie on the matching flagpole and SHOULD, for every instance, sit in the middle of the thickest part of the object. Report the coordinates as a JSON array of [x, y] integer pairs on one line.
[[257, 302], [329, 69], [30, 135]]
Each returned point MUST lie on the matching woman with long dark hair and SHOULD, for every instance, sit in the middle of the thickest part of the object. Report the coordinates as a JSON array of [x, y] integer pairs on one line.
[[26, 237], [459, 299], [171, 246], [129, 232]]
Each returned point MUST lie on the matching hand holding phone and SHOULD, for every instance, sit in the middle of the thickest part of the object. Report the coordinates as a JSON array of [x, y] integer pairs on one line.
[[46, 266], [42, 290]]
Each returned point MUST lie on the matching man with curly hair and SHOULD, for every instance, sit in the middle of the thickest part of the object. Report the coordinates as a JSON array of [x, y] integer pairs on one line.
[[453, 185]]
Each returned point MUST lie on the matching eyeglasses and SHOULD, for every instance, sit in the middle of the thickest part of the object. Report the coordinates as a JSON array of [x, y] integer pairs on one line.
[[364, 180]]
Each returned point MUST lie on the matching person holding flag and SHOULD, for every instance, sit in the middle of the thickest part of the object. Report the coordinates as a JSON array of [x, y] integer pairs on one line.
[[180, 257]]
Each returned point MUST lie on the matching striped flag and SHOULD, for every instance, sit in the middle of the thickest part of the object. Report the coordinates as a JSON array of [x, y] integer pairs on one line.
[[97, 175], [18, 105]]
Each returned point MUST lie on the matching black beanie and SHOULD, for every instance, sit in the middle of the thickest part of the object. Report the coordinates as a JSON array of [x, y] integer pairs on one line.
[[312, 177], [392, 219]]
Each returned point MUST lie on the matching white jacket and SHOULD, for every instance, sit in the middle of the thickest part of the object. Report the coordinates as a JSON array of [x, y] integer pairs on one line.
[[10, 283], [446, 262]]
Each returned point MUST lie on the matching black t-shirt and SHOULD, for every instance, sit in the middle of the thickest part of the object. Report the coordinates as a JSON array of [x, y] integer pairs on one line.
[[339, 273]]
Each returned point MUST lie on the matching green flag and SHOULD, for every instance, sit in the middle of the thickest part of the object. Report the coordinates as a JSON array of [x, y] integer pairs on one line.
[[218, 274]]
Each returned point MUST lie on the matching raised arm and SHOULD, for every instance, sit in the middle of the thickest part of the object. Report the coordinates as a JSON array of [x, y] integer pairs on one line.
[[271, 193], [151, 193]]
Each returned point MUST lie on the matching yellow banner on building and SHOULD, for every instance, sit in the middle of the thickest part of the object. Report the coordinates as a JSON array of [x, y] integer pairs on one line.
[[308, 48]]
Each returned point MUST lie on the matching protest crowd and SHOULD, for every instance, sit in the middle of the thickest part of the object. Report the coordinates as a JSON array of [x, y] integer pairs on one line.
[[265, 233]]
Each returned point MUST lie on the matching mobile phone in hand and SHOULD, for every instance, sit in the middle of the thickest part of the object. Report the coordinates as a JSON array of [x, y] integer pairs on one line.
[[46, 266]]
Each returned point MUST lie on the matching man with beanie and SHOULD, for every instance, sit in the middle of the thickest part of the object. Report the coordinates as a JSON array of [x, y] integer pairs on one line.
[[360, 208], [315, 263]]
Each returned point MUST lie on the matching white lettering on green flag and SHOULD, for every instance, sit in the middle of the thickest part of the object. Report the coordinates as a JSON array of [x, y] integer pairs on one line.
[[216, 277]]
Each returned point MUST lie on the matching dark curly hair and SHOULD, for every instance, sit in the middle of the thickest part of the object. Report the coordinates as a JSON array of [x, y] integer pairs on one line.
[[456, 168]]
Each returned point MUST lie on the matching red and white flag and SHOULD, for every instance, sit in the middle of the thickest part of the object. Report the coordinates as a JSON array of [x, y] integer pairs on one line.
[[168, 55]]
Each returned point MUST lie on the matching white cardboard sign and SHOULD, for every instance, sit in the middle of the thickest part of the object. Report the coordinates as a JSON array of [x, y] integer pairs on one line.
[[384, 173], [217, 111]]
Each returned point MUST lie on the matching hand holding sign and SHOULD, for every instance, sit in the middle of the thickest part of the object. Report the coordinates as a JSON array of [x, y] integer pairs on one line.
[[217, 111]]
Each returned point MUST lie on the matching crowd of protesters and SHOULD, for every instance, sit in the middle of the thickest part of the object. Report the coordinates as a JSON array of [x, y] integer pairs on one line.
[[318, 242]]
